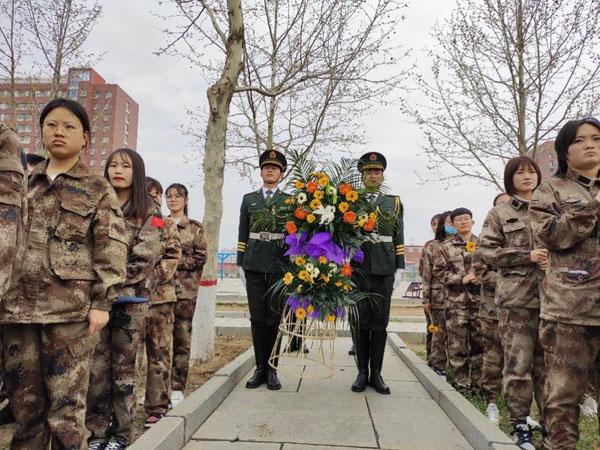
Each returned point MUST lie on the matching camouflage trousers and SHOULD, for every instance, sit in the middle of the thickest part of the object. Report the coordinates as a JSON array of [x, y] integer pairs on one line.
[[114, 374], [465, 350], [159, 337], [571, 352], [47, 370], [493, 361], [438, 357], [182, 341], [524, 370]]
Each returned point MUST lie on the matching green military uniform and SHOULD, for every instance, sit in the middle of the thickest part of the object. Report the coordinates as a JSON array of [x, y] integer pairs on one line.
[[382, 257], [260, 254]]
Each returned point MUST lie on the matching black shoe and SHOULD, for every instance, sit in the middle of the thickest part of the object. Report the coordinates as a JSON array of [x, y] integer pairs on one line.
[[6, 415], [378, 384], [521, 434], [273, 383], [257, 379], [377, 346], [352, 350], [97, 445], [362, 379], [115, 443]]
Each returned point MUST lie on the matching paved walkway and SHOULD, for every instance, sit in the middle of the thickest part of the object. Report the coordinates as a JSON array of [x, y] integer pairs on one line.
[[317, 414]]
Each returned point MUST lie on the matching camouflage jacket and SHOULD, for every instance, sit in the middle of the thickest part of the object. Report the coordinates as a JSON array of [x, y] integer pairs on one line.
[[433, 290], [506, 243], [451, 264], [488, 277], [12, 202], [164, 271], [564, 218], [189, 271], [74, 251], [144, 237]]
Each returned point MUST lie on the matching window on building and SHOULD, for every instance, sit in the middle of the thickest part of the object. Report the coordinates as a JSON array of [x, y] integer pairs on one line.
[[106, 117], [93, 139], [105, 140], [5, 117], [127, 107], [94, 129], [92, 151], [108, 95], [106, 128], [24, 128], [24, 106], [96, 106], [73, 93], [83, 93], [107, 106], [83, 102], [41, 106], [104, 151], [93, 162], [4, 106], [24, 117], [25, 139], [103, 162], [97, 95], [125, 140]]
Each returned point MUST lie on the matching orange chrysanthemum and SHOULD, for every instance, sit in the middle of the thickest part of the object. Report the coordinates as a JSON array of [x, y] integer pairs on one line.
[[311, 186], [345, 188], [349, 217], [346, 270], [369, 225], [291, 227], [301, 213]]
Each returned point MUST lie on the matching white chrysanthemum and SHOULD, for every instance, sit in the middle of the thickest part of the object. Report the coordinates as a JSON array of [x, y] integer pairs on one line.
[[309, 267], [302, 198]]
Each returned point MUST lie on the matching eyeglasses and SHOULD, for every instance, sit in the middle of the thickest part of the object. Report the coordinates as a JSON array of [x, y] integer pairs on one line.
[[462, 219], [67, 128]]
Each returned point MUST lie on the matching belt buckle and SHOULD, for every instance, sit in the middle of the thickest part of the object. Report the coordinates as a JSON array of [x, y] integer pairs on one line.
[[375, 237], [264, 236]]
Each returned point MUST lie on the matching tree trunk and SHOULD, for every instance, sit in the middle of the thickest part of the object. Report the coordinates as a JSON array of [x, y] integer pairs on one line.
[[219, 99]]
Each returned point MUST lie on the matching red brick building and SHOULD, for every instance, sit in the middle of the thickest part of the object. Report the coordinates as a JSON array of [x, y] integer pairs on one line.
[[113, 113], [545, 157], [412, 257]]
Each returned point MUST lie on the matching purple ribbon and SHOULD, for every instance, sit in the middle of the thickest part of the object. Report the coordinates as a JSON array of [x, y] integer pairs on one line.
[[296, 243], [320, 244]]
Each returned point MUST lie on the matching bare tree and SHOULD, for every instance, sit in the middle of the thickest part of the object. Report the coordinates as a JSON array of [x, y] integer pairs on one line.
[[59, 29], [312, 71], [505, 74]]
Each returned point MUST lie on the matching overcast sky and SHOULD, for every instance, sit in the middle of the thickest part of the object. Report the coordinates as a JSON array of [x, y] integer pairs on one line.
[[164, 87]]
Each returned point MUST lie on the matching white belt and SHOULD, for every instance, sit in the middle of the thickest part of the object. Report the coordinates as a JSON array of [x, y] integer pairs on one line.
[[379, 238], [266, 236]]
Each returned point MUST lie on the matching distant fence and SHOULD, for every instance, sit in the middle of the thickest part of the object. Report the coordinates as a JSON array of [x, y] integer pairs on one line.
[[227, 266]]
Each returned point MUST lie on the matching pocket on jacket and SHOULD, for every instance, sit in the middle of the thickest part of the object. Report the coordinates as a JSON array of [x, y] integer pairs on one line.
[[10, 189], [517, 234], [75, 221]]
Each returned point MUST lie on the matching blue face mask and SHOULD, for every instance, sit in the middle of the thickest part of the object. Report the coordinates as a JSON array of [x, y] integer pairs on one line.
[[450, 230]]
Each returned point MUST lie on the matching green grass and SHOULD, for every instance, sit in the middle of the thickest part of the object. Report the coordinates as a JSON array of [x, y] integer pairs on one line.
[[588, 427]]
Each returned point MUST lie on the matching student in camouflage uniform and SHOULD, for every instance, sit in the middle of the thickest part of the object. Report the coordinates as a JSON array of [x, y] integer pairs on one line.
[[260, 258], [425, 254], [380, 273], [564, 214], [114, 374], [493, 354], [187, 280], [452, 266], [63, 285], [506, 243], [433, 297], [159, 330]]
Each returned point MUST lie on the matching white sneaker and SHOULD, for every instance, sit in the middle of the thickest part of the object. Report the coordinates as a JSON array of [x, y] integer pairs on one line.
[[589, 407], [176, 398], [141, 400], [492, 413], [533, 424]]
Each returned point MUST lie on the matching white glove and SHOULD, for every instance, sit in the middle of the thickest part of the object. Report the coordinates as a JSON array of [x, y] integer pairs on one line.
[[242, 276], [397, 278]]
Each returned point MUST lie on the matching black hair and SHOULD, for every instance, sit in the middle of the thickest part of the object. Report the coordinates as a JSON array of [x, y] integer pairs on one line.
[[460, 212], [497, 197], [34, 159], [440, 231], [181, 190], [565, 138], [139, 201], [153, 183], [76, 108], [436, 216], [512, 166]]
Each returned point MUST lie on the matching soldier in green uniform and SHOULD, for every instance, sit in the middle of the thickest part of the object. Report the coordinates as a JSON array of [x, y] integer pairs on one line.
[[259, 257], [381, 270]]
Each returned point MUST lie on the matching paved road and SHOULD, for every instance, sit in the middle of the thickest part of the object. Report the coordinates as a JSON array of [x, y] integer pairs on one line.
[[318, 414]]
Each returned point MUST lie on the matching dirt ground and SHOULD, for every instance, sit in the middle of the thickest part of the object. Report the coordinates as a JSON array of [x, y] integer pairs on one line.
[[396, 310], [227, 348]]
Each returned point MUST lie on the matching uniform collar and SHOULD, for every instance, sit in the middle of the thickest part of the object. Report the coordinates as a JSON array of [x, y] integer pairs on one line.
[[459, 241], [581, 179], [273, 191], [79, 170], [518, 203]]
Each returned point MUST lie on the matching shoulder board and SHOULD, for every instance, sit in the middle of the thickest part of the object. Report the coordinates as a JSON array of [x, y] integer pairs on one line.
[[195, 222]]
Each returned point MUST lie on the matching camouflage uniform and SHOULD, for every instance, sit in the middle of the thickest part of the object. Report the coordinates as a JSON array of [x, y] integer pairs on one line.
[[114, 374], [564, 218], [465, 351], [187, 280], [160, 323], [506, 242], [75, 255], [493, 354], [433, 293]]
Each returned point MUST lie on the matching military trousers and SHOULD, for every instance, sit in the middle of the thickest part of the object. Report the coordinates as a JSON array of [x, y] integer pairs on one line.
[[571, 353], [182, 342], [465, 348], [524, 370], [493, 360], [47, 370], [159, 338], [438, 356], [264, 307], [374, 313], [114, 374]]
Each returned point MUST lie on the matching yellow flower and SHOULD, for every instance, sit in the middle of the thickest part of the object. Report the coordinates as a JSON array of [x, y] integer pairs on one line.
[[315, 204], [288, 278], [364, 217], [290, 201], [352, 196], [323, 180], [361, 222], [470, 246], [347, 287], [299, 184], [304, 275], [322, 260], [310, 309], [373, 216], [311, 218], [338, 283], [324, 278], [318, 194], [330, 317], [343, 207], [300, 313], [299, 288], [430, 328], [299, 261]]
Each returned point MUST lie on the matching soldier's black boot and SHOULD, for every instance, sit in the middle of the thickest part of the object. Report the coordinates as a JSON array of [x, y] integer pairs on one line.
[[362, 343], [378, 340], [273, 383], [259, 341], [352, 350]]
